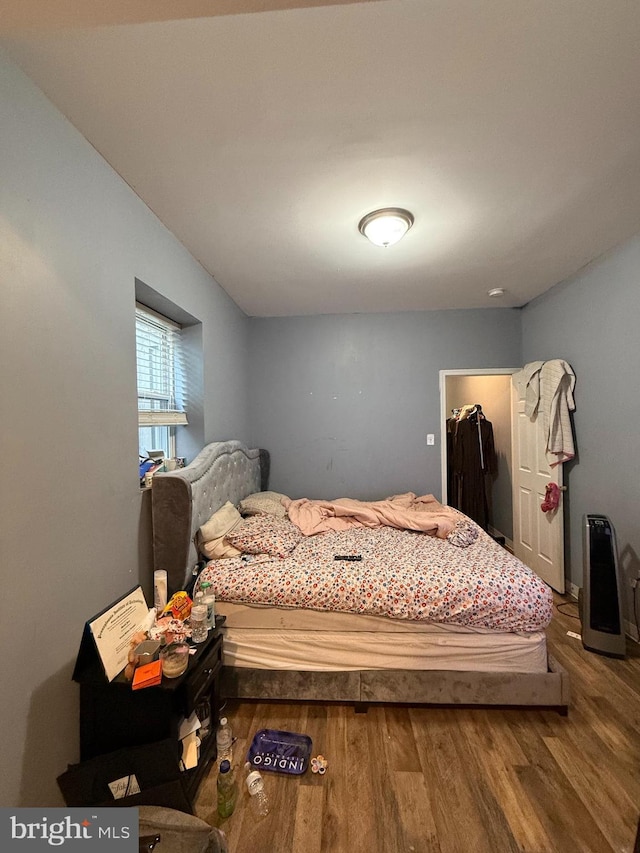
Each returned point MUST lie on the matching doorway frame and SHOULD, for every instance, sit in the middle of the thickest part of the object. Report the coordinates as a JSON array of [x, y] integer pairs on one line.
[[472, 371]]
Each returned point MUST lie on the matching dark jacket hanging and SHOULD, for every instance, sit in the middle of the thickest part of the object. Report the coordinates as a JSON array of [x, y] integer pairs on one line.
[[474, 466], [452, 483]]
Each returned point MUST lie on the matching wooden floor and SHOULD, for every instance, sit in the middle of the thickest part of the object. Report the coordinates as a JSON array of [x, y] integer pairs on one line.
[[455, 780]]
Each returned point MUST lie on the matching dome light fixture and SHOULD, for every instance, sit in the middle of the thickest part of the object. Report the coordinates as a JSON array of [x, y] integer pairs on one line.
[[386, 226], [496, 292]]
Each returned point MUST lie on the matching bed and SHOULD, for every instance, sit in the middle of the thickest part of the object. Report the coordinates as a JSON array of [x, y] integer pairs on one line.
[[403, 647]]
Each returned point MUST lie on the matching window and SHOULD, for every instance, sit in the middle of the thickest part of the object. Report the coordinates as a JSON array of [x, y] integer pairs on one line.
[[161, 381]]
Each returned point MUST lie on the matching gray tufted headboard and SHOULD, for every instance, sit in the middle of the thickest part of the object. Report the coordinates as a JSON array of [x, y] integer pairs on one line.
[[183, 500]]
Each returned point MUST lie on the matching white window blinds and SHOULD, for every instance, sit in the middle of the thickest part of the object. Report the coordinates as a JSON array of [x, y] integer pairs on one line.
[[162, 390]]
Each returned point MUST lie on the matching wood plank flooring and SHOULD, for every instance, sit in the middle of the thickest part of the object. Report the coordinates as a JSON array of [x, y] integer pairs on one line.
[[455, 780]]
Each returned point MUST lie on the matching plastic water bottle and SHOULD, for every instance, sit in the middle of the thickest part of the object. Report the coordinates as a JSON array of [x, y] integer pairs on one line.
[[224, 740], [198, 620], [227, 790], [209, 599], [198, 598], [257, 793]]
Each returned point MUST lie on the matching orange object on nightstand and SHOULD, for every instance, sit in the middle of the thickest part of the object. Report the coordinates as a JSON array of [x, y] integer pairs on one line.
[[147, 675]]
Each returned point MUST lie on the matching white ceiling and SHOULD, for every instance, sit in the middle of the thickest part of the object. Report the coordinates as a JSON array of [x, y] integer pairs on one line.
[[511, 130]]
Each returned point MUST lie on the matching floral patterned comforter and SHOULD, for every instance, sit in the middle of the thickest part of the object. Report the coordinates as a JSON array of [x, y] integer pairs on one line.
[[402, 575]]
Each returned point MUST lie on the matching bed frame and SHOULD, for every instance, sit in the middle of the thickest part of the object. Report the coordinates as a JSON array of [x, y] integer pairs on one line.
[[184, 499]]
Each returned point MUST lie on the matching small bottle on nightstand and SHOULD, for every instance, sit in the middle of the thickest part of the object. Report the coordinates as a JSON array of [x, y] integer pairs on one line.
[[209, 599], [198, 620]]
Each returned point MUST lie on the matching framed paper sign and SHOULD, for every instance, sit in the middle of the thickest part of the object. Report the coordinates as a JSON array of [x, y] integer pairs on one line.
[[110, 632]]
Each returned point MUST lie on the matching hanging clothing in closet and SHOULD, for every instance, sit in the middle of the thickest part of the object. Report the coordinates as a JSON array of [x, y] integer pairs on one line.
[[475, 465], [452, 486], [453, 481]]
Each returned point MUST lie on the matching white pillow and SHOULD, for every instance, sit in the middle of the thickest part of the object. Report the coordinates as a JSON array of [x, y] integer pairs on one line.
[[218, 549], [220, 523], [263, 503]]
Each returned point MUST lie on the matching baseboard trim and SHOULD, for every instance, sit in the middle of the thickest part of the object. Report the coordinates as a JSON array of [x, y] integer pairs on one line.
[[493, 531]]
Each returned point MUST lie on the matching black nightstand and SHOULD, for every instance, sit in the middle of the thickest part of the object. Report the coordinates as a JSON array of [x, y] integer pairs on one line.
[[115, 717]]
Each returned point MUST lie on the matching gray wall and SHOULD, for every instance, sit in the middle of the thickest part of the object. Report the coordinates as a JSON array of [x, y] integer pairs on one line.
[[344, 402], [73, 238], [592, 322]]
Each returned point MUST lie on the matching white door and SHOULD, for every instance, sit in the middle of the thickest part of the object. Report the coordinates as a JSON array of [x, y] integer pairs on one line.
[[538, 537]]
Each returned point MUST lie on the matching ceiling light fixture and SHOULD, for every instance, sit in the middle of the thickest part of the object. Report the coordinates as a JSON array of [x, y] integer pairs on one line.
[[496, 292], [386, 226]]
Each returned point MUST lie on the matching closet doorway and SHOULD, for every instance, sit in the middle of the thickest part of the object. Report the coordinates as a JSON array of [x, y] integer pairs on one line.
[[491, 388]]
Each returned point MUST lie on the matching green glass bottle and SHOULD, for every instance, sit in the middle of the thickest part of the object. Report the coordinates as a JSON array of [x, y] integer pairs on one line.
[[227, 790]]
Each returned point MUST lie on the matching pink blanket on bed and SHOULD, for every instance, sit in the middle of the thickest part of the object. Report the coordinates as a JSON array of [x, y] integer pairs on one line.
[[405, 512]]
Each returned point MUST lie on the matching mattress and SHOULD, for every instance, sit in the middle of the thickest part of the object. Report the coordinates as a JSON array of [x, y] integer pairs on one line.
[[262, 637], [240, 615], [398, 574]]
